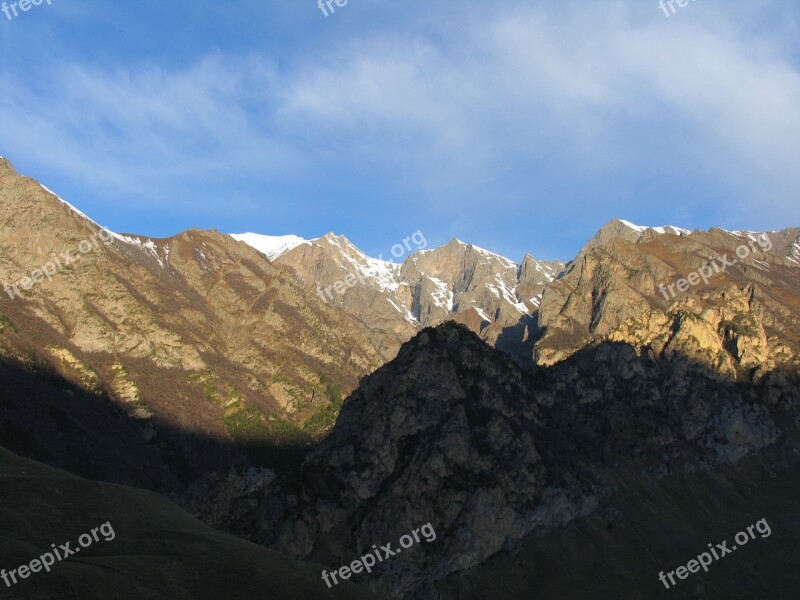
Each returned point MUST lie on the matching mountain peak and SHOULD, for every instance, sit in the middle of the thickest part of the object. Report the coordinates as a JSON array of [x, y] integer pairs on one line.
[[272, 246], [630, 232], [457, 243], [660, 230]]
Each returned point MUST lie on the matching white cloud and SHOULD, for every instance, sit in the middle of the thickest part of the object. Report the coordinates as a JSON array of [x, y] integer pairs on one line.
[[148, 127], [580, 82], [595, 88]]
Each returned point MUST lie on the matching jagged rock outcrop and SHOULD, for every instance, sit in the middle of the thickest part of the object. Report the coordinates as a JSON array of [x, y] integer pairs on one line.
[[741, 318], [452, 432]]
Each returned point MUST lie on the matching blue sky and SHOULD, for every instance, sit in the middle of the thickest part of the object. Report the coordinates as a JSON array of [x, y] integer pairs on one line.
[[518, 126]]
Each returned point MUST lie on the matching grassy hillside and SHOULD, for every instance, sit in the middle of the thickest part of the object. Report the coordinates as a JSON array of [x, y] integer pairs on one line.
[[158, 552]]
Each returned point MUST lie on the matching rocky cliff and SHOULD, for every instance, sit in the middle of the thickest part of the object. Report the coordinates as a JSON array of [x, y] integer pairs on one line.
[[452, 432], [671, 291]]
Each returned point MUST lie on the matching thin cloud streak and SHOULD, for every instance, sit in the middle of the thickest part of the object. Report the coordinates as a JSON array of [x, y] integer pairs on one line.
[[499, 106]]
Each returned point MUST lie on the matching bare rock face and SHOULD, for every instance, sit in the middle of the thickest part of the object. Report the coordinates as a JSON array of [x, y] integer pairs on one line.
[[446, 434], [741, 320], [368, 289], [534, 276], [622, 286], [740, 430]]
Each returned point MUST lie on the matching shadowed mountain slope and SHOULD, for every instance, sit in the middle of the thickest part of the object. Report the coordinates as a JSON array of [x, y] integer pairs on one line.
[[158, 552], [642, 530], [452, 432]]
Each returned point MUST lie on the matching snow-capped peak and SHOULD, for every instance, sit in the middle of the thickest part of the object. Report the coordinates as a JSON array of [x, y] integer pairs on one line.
[[272, 246], [660, 230]]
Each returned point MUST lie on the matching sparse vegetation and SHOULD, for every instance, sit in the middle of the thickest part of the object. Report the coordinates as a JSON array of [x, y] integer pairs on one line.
[[742, 324], [246, 425], [5, 322], [324, 419], [288, 433], [120, 369], [207, 381]]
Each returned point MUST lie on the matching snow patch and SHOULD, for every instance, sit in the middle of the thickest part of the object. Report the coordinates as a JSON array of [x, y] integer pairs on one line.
[[482, 314], [148, 246], [442, 297], [660, 230], [84, 215], [636, 228], [502, 291], [273, 246], [407, 314], [794, 253]]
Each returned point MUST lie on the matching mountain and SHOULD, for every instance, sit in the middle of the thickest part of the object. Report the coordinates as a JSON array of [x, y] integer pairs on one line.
[[637, 379], [617, 288], [492, 295], [194, 335], [202, 336], [736, 318], [318, 401], [455, 434]]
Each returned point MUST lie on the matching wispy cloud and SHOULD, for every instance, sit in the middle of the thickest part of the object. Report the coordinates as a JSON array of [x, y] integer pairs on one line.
[[498, 104], [592, 85], [146, 127]]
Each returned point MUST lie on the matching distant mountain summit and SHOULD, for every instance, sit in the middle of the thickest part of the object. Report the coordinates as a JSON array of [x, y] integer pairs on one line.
[[489, 293], [543, 311], [271, 246]]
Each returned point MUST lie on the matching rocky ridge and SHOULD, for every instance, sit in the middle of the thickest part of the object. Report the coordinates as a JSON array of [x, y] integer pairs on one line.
[[743, 322], [452, 432], [492, 295], [194, 333]]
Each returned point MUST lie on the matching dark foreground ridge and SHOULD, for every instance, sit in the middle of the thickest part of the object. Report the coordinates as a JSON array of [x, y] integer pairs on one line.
[[453, 433], [584, 479], [158, 551]]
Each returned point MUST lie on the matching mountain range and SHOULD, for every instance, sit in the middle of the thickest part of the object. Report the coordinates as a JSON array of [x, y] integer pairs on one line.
[[312, 399]]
